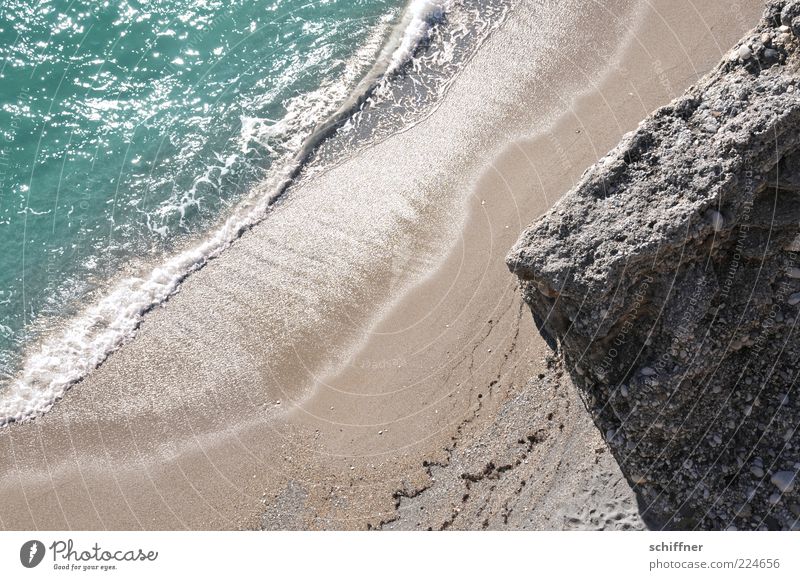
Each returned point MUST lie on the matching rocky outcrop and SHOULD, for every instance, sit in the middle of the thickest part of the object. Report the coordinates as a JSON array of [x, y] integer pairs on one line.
[[669, 277]]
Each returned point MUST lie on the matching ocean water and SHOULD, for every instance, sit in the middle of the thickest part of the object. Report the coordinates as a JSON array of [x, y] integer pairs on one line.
[[139, 139]]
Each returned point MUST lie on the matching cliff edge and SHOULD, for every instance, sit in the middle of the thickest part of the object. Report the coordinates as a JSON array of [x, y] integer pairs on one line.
[[669, 279]]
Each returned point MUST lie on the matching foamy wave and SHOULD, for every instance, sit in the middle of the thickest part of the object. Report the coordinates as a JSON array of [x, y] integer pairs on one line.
[[419, 18], [67, 356]]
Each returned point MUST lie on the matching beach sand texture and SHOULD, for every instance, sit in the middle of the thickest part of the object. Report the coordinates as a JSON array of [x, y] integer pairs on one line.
[[366, 342]]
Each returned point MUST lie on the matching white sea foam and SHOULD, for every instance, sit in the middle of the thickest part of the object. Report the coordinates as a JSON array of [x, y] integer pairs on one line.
[[420, 16], [67, 356]]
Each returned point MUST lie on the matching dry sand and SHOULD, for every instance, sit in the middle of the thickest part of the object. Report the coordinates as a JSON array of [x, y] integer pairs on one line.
[[410, 397]]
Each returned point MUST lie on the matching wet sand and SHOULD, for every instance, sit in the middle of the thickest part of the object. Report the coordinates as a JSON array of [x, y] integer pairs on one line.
[[321, 372]]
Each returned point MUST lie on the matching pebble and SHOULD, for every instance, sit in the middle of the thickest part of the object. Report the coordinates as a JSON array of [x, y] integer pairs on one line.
[[794, 299], [793, 272], [757, 471], [745, 53], [623, 390], [648, 372], [774, 498], [783, 480]]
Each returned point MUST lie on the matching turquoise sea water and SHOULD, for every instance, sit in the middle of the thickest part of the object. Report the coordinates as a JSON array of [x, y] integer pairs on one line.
[[138, 140], [127, 126]]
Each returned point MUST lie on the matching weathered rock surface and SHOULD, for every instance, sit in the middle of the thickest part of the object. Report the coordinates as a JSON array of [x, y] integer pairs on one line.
[[670, 278]]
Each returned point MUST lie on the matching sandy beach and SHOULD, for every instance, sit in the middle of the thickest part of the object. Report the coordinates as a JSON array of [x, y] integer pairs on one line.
[[323, 374]]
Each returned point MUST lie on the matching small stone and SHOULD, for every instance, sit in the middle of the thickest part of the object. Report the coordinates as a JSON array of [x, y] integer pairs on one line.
[[623, 390], [793, 272], [774, 498], [744, 52], [794, 299], [783, 480], [757, 471], [771, 56], [648, 371]]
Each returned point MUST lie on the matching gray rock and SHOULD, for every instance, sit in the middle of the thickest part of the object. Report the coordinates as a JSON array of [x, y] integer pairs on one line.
[[783, 480], [745, 53], [680, 240]]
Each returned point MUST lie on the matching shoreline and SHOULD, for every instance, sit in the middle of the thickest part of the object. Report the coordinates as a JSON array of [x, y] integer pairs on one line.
[[119, 305], [317, 467]]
